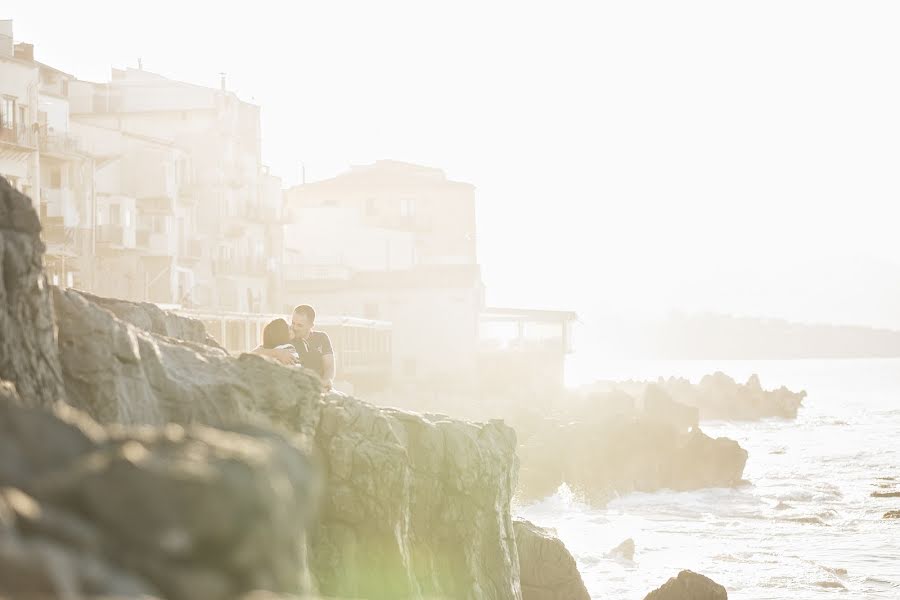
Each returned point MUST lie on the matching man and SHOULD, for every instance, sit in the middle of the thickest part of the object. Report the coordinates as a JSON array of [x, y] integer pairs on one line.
[[313, 347]]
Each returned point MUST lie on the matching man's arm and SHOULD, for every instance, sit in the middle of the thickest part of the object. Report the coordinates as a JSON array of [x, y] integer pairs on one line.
[[283, 356], [328, 370]]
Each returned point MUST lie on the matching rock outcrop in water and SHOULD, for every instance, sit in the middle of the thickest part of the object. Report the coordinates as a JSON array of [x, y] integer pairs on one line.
[[717, 396], [627, 453], [689, 586], [548, 570]]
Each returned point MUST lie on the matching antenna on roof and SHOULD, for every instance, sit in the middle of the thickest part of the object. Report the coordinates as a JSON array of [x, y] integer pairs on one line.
[[140, 64], [222, 80]]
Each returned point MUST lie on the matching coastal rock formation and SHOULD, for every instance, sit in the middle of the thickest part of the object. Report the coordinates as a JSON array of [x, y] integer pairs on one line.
[[892, 514], [177, 483], [28, 356], [150, 317], [600, 460], [175, 512], [421, 501], [624, 551], [717, 396], [689, 586], [548, 571], [416, 505]]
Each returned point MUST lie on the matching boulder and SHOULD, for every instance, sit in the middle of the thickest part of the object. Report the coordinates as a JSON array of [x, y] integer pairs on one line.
[[892, 514], [548, 570], [604, 459], [187, 512], [689, 586], [28, 356], [624, 551]]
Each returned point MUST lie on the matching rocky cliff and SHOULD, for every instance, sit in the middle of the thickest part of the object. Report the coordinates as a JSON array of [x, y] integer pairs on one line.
[[190, 472]]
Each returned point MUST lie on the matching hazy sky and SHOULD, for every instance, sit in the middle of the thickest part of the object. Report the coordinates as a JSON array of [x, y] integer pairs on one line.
[[628, 156]]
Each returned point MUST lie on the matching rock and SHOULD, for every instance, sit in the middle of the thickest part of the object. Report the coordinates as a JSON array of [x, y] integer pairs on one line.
[[622, 455], [659, 404], [892, 514], [421, 500], [28, 356], [624, 551], [885, 494], [173, 480], [548, 570], [193, 512], [118, 373], [149, 317], [689, 586]]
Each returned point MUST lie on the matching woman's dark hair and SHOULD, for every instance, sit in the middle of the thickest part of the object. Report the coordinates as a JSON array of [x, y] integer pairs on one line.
[[276, 333]]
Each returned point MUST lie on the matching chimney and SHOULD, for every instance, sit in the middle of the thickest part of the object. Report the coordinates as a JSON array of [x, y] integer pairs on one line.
[[140, 64], [24, 51], [222, 81]]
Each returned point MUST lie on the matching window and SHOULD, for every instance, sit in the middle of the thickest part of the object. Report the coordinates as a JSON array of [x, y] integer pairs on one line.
[[115, 214], [371, 207], [407, 207], [55, 178], [160, 224], [126, 218], [370, 311], [8, 112]]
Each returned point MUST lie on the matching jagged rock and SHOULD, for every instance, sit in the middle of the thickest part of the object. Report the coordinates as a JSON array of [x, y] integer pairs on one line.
[[420, 500], [624, 551], [548, 570], [892, 514], [618, 456], [27, 337], [150, 317], [414, 505], [191, 512], [659, 404], [717, 396], [689, 586], [118, 373]]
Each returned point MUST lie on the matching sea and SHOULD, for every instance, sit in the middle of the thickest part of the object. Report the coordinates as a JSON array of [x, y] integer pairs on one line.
[[804, 526]]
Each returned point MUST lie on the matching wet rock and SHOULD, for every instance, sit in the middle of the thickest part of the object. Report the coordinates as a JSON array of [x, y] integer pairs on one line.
[[624, 551], [28, 355], [548, 570], [892, 514], [618, 456], [886, 494], [689, 586], [659, 404]]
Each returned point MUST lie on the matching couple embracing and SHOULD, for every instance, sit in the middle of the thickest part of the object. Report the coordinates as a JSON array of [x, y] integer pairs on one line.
[[299, 343]]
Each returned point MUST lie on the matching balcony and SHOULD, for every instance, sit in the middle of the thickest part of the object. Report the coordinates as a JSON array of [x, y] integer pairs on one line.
[[16, 142], [60, 203], [241, 266], [316, 272], [60, 144], [191, 250], [262, 214], [115, 238], [151, 243]]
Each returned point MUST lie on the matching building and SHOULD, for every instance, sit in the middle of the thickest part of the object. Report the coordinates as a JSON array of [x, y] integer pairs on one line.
[[197, 182], [19, 79]]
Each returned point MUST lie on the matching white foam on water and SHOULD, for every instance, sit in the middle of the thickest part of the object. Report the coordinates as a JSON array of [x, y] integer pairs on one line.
[[806, 527]]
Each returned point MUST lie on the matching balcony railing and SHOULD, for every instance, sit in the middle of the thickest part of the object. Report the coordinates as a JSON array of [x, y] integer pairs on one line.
[[316, 272], [191, 249], [60, 143], [17, 135], [252, 267]]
